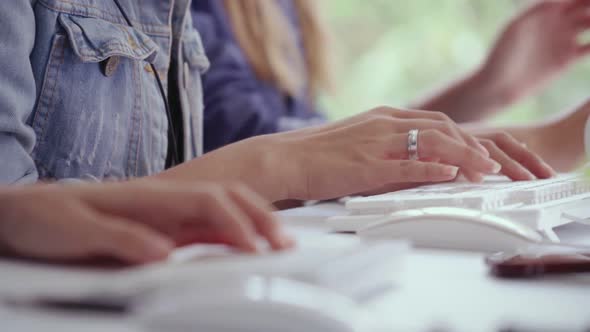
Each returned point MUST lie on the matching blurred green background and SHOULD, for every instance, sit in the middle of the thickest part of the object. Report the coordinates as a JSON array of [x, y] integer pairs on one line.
[[394, 51]]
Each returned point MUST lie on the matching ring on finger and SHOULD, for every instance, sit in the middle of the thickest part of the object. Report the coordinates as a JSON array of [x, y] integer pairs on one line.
[[413, 144]]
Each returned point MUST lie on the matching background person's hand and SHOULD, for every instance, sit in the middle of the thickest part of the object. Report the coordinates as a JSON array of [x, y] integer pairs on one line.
[[536, 45], [559, 141], [518, 161], [136, 222]]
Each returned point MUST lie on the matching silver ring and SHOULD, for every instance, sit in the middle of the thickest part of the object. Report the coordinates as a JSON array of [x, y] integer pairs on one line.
[[413, 144]]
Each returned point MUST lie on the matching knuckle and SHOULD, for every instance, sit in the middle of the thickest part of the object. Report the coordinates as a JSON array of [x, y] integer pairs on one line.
[[431, 137], [501, 136], [487, 143], [451, 129], [471, 156], [212, 198], [236, 187], [379, 110], [442, 116], [381, 124]]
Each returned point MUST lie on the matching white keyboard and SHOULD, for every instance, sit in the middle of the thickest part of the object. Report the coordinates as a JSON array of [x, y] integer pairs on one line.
[[540, 204]]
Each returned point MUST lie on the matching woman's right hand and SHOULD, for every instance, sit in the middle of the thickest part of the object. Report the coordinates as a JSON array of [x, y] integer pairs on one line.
[[359, 154], [136, 222], [369, 152]]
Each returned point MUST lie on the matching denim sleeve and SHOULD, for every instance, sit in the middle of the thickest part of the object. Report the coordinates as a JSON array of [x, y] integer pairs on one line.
[[17, 92]]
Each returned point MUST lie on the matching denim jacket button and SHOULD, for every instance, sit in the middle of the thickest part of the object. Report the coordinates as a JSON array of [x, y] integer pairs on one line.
[[110, 65]]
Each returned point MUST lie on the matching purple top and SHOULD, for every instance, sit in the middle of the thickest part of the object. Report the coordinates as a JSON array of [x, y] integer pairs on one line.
[[237, 104]]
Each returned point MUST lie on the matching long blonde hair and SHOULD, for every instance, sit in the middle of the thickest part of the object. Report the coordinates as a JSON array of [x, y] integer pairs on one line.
[[268, 40]]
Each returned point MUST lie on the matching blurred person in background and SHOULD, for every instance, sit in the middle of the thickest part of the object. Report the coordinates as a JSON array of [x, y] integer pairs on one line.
[[272, 58]]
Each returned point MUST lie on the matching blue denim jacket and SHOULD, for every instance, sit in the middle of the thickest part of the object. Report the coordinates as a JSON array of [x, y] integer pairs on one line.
[[238, 105], [78, 98]]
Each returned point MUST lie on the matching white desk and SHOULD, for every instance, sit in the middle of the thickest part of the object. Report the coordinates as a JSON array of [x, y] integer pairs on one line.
[[455, 291], [438, 289]]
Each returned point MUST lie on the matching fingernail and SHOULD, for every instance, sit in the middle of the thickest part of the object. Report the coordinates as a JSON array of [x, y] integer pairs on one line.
[[553, 172], [159, 249], [529, 176], [282, 240], [496, 167], [287, 241], [451, 171]]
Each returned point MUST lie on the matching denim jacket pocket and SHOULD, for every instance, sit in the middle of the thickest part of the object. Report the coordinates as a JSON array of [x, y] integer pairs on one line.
[[91, 112], [95, 40]]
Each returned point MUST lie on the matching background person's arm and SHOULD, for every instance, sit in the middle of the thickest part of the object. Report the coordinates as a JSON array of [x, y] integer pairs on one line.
[[17, 92], [533, 48]]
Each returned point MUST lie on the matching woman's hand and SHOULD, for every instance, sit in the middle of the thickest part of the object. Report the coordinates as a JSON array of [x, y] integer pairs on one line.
[[136, 222], [359, 154], [559, 141], [518, 161], [536, 45]]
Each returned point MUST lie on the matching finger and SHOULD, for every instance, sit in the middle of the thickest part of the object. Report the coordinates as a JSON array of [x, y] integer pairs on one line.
[[126, 240], [396, 171], [472, 176], [258, 211], [413, 116], [433, 144], [510, 167], [449, 128], [451, 152], [229, 220], [524, 156]]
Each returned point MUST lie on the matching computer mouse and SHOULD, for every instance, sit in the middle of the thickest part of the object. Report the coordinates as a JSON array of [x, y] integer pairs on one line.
[[452, 228], [250, 304]]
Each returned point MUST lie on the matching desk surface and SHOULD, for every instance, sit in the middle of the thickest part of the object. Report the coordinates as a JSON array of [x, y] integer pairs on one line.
[[437, 289]]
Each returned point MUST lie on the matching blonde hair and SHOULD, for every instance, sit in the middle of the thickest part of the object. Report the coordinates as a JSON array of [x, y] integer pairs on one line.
[[269, 42]]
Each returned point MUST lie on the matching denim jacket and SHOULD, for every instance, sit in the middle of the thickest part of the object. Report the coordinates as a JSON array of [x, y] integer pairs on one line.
[[78, 98]]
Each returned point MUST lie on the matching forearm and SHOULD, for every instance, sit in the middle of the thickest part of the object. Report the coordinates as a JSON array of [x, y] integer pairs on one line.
[[255, 162], [470, 98]]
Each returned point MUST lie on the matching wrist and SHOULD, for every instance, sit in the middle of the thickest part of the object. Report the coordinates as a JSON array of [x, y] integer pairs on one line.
[[274, 167], [259, 162]]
